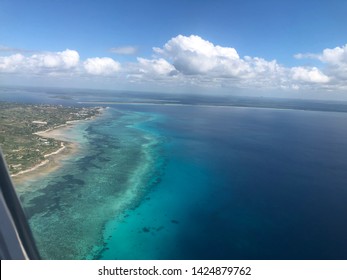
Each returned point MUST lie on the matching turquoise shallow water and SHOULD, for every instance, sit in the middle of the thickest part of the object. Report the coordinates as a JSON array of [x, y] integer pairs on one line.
[[153, 230], [116, 166]]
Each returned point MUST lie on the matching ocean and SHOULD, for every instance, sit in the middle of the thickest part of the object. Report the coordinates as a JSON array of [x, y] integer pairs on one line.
[[196, 181]]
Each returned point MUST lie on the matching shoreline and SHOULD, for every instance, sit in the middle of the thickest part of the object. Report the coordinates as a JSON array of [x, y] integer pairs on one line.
[[54, 160]]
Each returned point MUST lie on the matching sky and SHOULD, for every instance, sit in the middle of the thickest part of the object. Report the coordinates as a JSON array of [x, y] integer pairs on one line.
[[277, 48]]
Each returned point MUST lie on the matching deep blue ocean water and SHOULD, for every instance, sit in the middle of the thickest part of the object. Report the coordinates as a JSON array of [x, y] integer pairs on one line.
[[198, 182]]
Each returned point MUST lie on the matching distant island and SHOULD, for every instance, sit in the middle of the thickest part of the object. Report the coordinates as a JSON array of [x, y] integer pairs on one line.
[[25, 129]]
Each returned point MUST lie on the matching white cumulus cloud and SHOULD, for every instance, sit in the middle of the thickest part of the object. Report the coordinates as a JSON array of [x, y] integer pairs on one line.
[[40, 62], [59, 60], [334, 64], [155, 66], [311, 75], [336, 56], [194, 55], [12, 63], [104, 66]]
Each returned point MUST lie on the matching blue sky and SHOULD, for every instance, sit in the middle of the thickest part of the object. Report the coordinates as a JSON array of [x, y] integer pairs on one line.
[[210, 46]]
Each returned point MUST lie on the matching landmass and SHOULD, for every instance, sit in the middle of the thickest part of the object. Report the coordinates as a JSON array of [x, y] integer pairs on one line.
[[26, 132], [224, 101]]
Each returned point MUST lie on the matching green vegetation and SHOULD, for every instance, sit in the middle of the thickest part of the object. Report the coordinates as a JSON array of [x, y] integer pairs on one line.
[[18, 122]]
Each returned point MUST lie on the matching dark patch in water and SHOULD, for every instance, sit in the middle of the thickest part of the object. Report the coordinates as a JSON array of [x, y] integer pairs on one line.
[[145, 229], [175, 222]]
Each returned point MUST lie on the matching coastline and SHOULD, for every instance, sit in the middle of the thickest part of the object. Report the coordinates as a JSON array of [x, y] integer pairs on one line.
[[54, 160]]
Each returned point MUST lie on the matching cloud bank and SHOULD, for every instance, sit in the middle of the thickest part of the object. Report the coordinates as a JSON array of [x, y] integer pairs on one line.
[[190, 60]]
